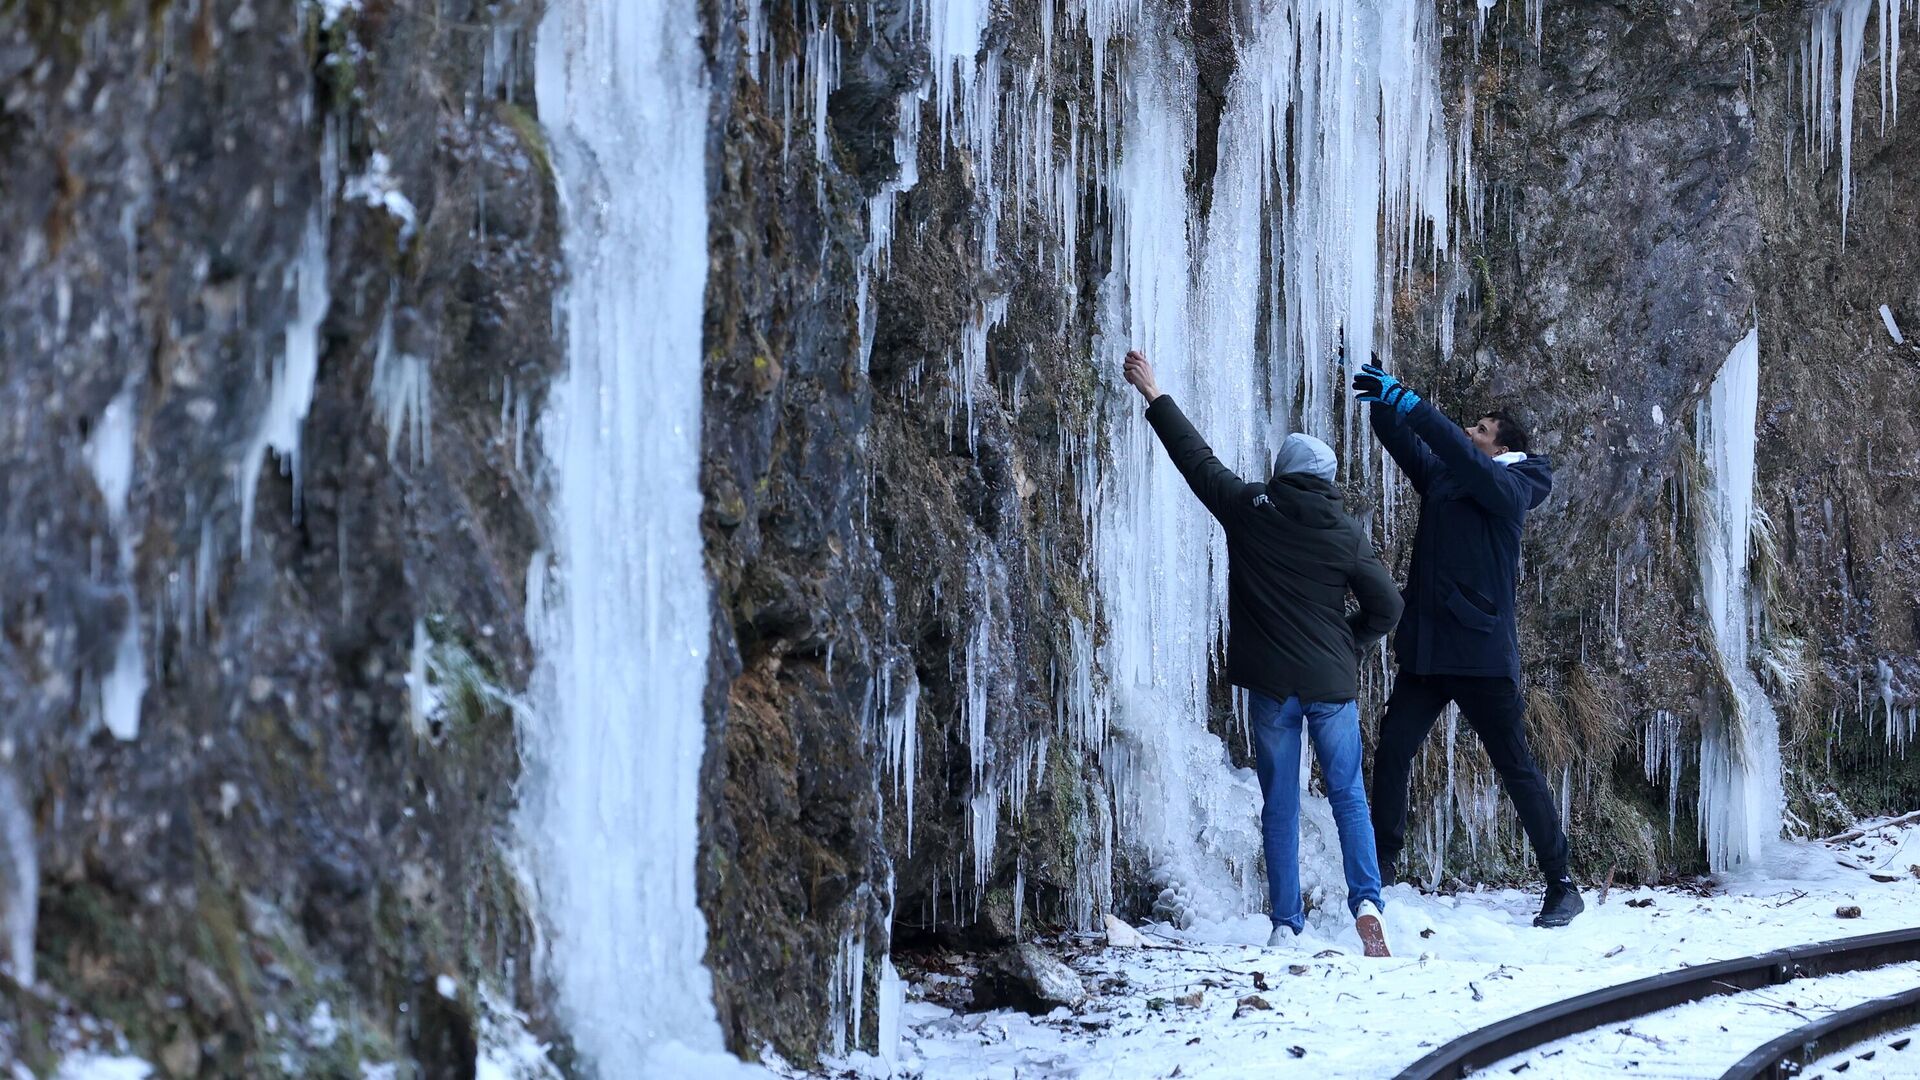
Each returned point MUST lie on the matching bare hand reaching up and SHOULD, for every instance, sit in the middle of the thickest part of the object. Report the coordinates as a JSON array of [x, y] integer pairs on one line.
[[1140, 374]]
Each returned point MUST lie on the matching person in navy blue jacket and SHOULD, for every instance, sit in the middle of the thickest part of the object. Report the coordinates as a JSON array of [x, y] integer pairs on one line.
[[1458, 641]]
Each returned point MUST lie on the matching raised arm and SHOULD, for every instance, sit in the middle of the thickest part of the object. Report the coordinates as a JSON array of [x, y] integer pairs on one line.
[[1439, 442], [1493, 485], [1380, 601], [1213, 482], [1408, 452]]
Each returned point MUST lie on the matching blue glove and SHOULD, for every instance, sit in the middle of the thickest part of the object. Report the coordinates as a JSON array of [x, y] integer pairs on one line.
[[1380, 388]]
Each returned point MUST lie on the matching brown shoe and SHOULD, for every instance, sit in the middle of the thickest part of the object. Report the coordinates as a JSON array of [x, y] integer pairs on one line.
[[1373, 935]]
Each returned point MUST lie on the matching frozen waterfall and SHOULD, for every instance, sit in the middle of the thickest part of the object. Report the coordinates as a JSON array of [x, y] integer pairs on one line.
[[614, 739]]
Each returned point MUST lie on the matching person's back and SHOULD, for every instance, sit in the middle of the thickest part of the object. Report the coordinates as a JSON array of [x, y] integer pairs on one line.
[[1293, 555], [1292, 552]]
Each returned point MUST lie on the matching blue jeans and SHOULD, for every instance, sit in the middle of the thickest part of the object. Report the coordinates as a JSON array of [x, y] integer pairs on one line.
[[1335, 729]]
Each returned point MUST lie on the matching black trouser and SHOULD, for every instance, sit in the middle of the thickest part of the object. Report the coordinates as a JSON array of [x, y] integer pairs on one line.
[[1497, 712]]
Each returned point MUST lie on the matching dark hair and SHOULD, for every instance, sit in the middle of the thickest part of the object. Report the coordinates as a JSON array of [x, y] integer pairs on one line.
[[1510, 433]]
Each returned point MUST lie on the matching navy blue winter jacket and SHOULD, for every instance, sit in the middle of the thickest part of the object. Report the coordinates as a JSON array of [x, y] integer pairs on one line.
[[1466, 553]]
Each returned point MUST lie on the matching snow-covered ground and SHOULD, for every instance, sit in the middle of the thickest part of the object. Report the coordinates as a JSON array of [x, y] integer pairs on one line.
[[1460, 962]]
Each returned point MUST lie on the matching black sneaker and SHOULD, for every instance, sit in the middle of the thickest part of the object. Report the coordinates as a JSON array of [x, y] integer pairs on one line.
[[1562, 904]]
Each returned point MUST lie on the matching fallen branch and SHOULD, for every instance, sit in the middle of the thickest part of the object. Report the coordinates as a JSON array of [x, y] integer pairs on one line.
[[1857, 833], [1159, 942]]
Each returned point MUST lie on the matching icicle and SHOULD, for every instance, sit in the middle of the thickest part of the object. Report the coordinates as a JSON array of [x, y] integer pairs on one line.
[[1893, 328], [290, 392], [979, 642], [983, 820], [1740, 794], [1830, 69], [970, 364], [403, 395], [892, 1002], [1883, 686], [20, 874], [109, 454], [422, 701], [1350, 98], [903, 749], [1019, 894]]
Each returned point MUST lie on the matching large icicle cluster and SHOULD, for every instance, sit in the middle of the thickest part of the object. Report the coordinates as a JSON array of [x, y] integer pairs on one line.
[[1829, 71], [1740, 796], [1335, 177], [1333, 126]]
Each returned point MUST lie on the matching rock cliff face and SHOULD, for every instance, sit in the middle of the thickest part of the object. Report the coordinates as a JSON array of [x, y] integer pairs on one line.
[[277, 304], [1655, 185]]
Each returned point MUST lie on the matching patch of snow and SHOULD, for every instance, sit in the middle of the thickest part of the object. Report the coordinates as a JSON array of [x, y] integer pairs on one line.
[[1886, 1060], [507, 1050], [1659, 415], [446, 987], [90, 1066], [322, 1029], [332, 10], [424, 702], [1122, 936], [1665, 1043], [378, 188], [1893, 328]]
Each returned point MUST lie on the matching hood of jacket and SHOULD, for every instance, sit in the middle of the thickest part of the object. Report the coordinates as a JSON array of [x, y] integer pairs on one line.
[[1307, 500], [1536, 472]]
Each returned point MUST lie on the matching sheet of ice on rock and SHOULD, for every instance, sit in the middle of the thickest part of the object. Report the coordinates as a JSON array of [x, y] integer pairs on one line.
[[1460, 962]]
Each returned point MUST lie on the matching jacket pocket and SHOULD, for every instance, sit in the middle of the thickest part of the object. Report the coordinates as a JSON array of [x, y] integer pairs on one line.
[[1471, 615]]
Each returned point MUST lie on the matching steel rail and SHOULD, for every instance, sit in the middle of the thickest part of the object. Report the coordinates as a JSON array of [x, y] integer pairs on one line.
[[1790, 1054], [1549, 1023]]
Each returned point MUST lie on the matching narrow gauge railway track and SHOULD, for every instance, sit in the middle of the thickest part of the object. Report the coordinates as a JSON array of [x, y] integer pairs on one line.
[[1550, 1023], [1795, 1052]]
